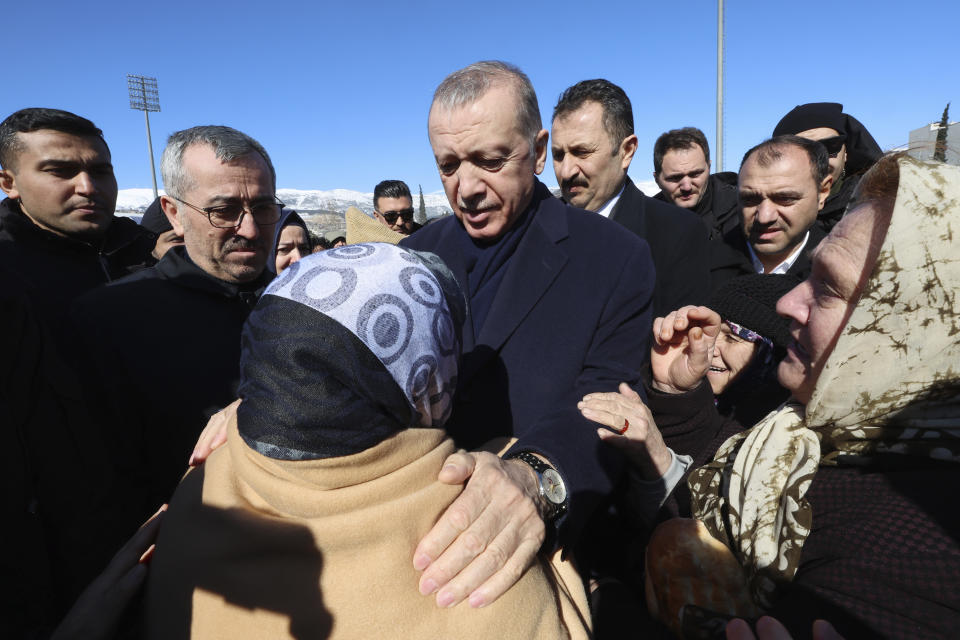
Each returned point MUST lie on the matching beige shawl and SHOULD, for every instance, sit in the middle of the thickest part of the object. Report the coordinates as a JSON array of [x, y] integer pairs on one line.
[[892, 384], [254, 547]]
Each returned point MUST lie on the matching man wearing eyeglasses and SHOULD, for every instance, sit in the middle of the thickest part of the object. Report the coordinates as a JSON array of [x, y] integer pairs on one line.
[[393, 206], [851, 148], [161, 348]]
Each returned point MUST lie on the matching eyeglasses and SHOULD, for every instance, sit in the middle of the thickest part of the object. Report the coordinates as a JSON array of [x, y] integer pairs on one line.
[[230, 216], [833, 145], [391, 216]]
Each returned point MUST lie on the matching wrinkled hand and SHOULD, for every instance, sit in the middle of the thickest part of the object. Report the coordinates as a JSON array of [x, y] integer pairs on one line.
[[771, 629], [214, 435], [683, 347], [642, 442], [487, 538], [97, 611]]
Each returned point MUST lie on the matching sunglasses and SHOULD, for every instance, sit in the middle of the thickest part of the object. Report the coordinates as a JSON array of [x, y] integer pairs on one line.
[[391, 216], [833, 145]]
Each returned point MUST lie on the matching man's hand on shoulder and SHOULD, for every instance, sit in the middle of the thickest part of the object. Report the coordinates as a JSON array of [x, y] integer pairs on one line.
[[488, 537]]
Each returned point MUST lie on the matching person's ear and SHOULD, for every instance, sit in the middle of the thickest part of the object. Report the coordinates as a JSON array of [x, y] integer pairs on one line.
[[825, 187], [8, 182], [627, 148], [540, 151], [172, 211]]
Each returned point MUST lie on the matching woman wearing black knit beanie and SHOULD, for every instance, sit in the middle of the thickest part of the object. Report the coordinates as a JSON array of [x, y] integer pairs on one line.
[[752, 341]]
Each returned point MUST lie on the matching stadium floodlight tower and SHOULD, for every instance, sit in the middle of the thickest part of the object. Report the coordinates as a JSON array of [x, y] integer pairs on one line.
[[144, 96]]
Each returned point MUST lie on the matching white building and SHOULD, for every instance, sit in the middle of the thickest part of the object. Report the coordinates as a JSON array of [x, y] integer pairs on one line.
[[924, 139]]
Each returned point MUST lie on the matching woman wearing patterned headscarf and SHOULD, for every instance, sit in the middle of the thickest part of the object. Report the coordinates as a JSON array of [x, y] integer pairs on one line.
[[840, 504], [304, 524]]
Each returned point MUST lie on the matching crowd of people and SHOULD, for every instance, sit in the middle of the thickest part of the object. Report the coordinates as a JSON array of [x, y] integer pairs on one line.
[[729, 409]]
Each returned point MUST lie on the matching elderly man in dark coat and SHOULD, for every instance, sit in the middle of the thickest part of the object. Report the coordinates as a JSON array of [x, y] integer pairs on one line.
[[559, 303], [161, 348]]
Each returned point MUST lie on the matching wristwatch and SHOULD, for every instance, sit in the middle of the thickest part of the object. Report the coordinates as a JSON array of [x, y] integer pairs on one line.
[[553, 492]]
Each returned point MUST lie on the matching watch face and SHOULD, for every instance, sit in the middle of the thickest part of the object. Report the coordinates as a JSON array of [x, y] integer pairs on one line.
[[553, 487]]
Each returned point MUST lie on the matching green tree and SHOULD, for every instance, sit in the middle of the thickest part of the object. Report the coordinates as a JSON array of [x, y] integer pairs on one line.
[[940, 149], [421, 217]]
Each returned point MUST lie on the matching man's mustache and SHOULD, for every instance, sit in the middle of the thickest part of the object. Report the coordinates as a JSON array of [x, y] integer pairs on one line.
[[239, 243], [756, 228], [566, 185]]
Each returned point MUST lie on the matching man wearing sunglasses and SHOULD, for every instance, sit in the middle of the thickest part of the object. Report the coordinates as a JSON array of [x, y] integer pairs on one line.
[[393, 206], [161, 348], [851, 148]]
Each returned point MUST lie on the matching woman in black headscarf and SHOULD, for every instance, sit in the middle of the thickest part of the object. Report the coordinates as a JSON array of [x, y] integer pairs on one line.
[[291, 242], [304, 524]]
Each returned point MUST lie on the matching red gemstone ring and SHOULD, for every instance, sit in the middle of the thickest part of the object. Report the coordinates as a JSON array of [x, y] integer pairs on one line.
[[626, 425]]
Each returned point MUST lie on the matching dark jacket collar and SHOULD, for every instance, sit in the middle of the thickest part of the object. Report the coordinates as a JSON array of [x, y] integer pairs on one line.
[[631, 198], [120, 234], [736, 240], [177, 267]]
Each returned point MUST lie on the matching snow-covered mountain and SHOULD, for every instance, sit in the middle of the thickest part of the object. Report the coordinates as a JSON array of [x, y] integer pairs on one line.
[[336, 200], [304, 201], [134, 200]]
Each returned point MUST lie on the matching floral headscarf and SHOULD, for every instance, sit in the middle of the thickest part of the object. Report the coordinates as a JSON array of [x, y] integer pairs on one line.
[[891, 385]]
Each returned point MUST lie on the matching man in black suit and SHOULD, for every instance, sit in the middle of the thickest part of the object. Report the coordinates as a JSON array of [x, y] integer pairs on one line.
[[559, 306], [681, 167], [783, 184], [593, 145]]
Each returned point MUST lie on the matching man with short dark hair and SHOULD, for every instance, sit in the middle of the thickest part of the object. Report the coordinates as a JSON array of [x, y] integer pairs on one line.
[[681, 167], [57, 228], [560, 305], [593, 145], [162, 347], [783, 183], [393, 206]]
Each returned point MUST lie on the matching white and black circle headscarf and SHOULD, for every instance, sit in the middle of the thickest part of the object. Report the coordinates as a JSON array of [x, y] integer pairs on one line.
[[347, 347]]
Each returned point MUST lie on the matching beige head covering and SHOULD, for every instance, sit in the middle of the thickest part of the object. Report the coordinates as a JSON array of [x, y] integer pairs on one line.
[[363, 228], [891, 384]]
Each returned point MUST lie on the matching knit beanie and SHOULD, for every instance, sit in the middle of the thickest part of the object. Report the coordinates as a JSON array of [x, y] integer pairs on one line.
[[751, 302]]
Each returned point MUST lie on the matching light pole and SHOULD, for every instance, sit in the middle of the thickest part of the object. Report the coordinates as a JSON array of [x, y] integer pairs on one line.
[[719, 145], [144, 96]]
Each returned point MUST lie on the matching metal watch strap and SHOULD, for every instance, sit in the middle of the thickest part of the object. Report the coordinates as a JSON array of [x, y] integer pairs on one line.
[[539, 466]]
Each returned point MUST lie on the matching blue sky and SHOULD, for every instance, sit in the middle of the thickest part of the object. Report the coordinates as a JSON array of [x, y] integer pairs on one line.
[[338, 93]]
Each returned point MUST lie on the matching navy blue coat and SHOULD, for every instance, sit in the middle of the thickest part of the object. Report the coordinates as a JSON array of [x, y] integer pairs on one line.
[[571, 316], [678, 242]]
